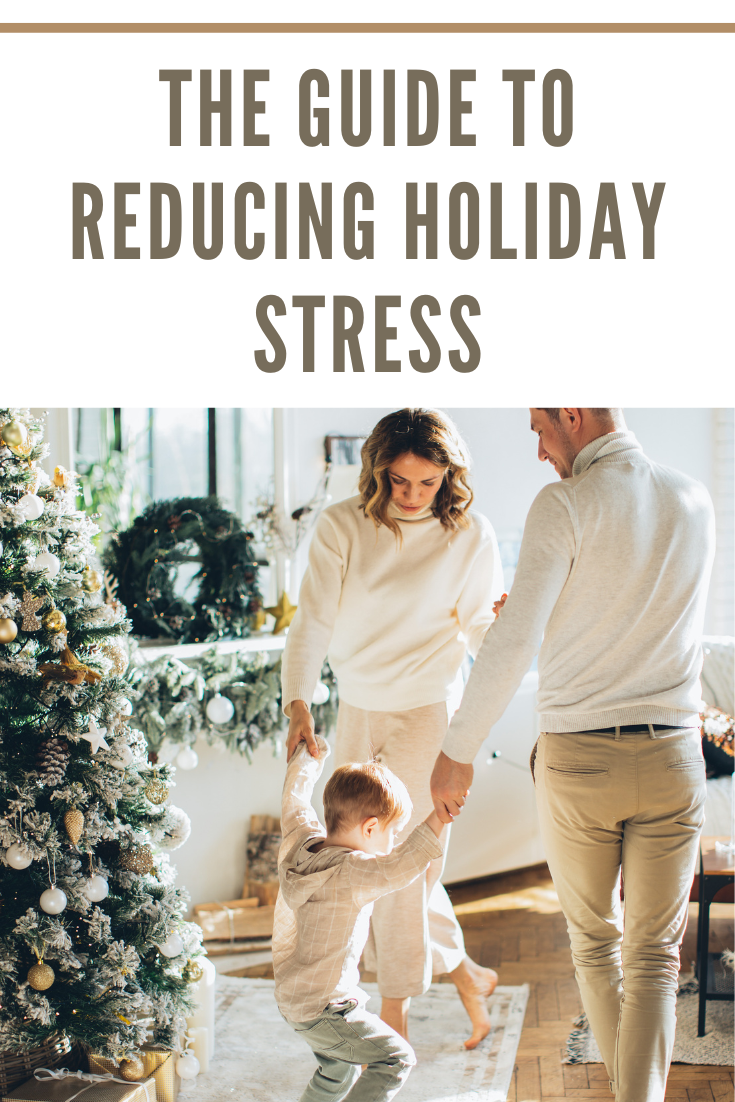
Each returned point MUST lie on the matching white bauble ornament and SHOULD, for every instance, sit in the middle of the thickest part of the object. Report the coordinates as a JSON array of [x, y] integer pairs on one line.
[[187, 758], [18, 856], [178, 828], [321, 694], [126, 708], [220, 709], [31, 506], [48, 562], [53, 901], [187, 1066], [172, 946], [123, 758], [96, 888]]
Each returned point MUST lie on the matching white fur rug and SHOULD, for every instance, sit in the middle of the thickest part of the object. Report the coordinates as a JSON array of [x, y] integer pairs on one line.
[[258, 1058]]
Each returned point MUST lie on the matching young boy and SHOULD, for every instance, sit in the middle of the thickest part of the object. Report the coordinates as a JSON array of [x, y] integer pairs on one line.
[[329, 882]]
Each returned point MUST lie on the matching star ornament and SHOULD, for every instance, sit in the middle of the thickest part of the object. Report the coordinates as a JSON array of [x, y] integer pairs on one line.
[[284, 613], [95, 736]]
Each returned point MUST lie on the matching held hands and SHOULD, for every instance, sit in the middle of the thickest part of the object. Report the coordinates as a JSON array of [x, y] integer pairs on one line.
[[450, 787], [497, 605], [301, 729]]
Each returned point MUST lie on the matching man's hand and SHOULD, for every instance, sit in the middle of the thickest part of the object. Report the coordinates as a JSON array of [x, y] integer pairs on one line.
[[497, 605], [450, 787], [300, 729]]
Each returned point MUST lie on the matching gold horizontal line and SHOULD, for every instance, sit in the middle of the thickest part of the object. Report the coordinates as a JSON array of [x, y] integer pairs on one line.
[[367, 28]]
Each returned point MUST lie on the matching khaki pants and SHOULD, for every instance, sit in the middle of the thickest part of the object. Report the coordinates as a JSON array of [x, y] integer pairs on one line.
[[632, 802], [413, 932]]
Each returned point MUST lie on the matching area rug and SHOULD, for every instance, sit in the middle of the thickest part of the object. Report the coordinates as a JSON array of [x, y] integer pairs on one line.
[[259, 1059], [715, 1048]]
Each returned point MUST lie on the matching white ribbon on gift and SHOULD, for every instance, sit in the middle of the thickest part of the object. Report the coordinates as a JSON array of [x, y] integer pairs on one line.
[[44, 1074]]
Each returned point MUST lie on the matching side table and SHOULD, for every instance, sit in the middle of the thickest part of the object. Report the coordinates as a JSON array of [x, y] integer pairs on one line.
[[716, 871]]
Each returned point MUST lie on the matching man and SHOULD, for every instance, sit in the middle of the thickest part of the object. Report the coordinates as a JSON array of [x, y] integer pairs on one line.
[[613, 573]]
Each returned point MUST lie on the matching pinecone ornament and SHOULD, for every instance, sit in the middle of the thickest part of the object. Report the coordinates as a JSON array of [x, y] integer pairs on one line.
[[52, 758]]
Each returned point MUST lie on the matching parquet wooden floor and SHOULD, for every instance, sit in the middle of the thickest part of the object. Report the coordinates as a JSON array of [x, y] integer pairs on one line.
[[513, 923]]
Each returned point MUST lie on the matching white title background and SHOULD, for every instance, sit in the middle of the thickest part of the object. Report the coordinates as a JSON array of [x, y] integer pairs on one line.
[[82, 107]]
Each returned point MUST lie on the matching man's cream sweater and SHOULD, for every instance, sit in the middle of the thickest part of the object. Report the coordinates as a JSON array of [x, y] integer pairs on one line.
[[395, 617], [613, 573]]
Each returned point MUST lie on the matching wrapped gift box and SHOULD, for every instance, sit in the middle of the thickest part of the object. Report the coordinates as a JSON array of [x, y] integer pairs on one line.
[[159, 1064], [235, 918], [75, 1085]]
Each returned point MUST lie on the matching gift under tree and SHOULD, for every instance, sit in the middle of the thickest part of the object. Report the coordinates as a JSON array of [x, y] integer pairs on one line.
[[92, 941]]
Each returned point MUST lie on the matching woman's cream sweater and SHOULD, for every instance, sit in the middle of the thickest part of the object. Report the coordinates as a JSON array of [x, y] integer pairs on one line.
[[395, 618]]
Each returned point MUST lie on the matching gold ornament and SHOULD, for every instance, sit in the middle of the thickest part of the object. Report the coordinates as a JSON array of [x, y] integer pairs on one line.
[[91, 580], [28, 607], [132, 1068], [54, 621], [284, 613], [8, 631], [63, 479], [259, 619], [118, 656], [41, 976], [74, 823], [137, 859], [156, 790], [193, 972], [15, 436]]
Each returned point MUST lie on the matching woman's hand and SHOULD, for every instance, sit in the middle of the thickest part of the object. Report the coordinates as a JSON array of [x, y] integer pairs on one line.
[[300, 729], [497, 605]]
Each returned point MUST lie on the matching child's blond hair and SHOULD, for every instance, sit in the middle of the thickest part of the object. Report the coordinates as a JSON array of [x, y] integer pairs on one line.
[[358, 790]]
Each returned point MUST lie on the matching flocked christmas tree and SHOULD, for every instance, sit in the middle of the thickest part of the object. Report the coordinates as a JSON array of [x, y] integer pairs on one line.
[[92, 941]]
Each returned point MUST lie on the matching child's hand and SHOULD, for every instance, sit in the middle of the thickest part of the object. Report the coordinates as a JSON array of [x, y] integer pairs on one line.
[[497, 605], [434, 823]]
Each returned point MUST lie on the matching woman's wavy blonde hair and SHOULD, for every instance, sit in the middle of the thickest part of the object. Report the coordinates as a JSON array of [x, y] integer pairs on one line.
[[428, 434]]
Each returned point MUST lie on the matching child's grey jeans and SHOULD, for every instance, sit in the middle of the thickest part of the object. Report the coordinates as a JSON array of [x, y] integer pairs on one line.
[[344, 1038]]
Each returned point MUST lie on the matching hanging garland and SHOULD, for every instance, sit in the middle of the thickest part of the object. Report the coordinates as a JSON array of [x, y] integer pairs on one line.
[[146, 559], [233, 699]]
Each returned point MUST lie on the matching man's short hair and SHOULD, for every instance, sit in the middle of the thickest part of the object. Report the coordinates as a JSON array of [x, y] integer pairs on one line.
[[603, 414], [358, 790]]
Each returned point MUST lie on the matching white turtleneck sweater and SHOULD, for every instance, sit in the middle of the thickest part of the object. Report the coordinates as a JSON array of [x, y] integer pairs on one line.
[[613, 573], [394, 617]]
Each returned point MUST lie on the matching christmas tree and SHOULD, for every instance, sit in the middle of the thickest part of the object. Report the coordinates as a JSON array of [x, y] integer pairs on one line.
[[92, 942]]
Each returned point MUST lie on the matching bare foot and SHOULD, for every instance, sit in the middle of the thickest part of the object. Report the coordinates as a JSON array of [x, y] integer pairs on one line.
[[475, 984], [394, 1013]]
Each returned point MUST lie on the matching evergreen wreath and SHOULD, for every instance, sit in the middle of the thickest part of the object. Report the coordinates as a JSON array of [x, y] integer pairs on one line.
[[145, 559]]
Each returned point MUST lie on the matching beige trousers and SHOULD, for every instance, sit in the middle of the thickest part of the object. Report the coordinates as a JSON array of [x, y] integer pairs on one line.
[[413, 932], [630, 802]]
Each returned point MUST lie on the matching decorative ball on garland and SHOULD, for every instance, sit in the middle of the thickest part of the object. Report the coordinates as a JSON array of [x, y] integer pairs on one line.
[[118, 656], [132, 1068], [91, 580], [146, 558], [96, 888], [172, 946], [18, 856], [156, 790], [187, 758], [220, 709], [49, 563], [41, 976], [53, 621], [192, 972], [14, 435], [187, 1066], [31, 506], [123, 757], [8, 630], [137, 858], [53, 901]]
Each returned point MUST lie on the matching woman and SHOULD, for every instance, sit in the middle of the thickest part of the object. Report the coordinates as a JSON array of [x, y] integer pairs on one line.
[[400, 584]]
